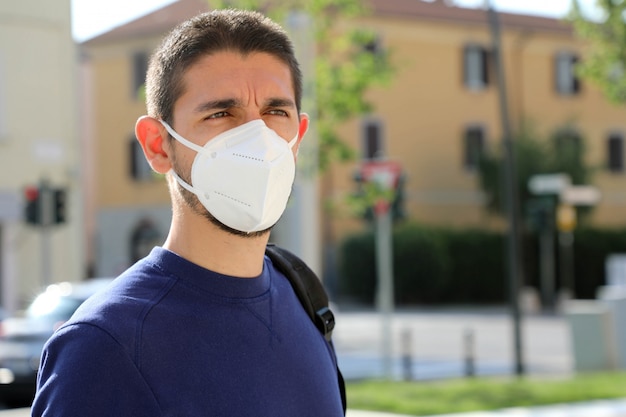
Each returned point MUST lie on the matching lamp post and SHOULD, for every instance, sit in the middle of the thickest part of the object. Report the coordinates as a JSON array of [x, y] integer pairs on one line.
[[510, 191]]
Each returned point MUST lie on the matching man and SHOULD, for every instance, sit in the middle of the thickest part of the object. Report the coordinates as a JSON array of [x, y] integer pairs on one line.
[[205, 325]]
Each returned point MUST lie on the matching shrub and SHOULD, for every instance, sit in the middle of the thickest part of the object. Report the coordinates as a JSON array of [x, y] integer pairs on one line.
[[438, 265]]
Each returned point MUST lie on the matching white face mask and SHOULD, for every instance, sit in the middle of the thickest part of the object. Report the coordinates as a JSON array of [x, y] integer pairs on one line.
[[243, 176]]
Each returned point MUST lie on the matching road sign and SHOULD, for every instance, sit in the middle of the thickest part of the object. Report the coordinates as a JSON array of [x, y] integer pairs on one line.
[[385, 174], [549, 183], [580, 195], [565, 217]]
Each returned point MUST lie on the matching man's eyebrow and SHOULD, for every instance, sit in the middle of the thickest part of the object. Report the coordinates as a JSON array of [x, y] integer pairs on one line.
[[280, 102], [219, 104]]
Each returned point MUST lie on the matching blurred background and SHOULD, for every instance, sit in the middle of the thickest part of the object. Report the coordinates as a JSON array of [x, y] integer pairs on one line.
[[463, 183]]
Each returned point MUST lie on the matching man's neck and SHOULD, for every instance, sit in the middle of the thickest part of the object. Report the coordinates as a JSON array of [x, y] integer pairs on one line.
[[197, 240]]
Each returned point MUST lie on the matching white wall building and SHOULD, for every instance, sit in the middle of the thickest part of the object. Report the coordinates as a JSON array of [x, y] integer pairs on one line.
[[38, 141]]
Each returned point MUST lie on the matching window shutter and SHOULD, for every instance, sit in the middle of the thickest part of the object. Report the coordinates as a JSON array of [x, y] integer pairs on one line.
[[473, 144], [134, 168], [485, 66], [615, 153], [140, 67]]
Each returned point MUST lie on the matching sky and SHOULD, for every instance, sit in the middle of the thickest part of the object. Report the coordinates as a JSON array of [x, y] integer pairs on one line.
[[91, 18]]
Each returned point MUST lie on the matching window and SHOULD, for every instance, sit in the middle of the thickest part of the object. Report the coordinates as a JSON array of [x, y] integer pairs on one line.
[[140, 170], [473, 147], [475, 67], [145, 236], [565, 80], [140, 67], [372, 140], [615, 153]]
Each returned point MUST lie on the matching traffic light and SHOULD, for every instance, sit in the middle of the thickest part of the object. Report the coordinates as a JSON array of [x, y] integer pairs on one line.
[[59, 206], [32, 211], [45, 206]]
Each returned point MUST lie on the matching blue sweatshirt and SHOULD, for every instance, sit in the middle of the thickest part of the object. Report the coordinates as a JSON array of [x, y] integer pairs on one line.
[[169, 338]]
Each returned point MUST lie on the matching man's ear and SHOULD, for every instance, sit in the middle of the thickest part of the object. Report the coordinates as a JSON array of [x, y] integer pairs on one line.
[[302, 128], [152, 136]]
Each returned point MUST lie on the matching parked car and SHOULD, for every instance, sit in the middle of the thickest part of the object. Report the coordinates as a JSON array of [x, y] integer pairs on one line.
[[22, 337]]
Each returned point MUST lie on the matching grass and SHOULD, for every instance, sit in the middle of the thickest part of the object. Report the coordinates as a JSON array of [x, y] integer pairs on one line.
[[463, 395]]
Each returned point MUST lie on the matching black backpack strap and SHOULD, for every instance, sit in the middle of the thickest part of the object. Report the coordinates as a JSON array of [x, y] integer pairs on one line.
[[311, 294], [307, 287]]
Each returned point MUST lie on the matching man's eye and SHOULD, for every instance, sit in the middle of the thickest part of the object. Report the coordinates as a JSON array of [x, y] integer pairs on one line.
[[277, 112], [218, 115]]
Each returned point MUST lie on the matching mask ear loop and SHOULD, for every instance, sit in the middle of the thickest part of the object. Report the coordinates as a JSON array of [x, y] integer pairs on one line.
[[293, 142], [183, 183], [181, 139], [188, 144]]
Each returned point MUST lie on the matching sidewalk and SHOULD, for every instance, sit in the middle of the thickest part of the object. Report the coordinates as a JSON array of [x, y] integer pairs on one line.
[[600, 408]]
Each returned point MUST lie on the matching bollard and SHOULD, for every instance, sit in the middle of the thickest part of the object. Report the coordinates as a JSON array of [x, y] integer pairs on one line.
[[468, 338], [407, 360]]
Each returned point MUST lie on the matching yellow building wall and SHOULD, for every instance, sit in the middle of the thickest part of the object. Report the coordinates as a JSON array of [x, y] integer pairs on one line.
[[426, 109], [116, 112]]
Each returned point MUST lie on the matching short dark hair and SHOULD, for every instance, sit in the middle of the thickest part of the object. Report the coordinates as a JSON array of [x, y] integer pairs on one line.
[[219, 30]]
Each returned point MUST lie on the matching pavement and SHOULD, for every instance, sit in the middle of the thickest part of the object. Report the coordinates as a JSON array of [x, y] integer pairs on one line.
[[432, 344]]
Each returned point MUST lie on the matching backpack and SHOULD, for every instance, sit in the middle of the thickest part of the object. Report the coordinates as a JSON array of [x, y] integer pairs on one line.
[[311, 294]]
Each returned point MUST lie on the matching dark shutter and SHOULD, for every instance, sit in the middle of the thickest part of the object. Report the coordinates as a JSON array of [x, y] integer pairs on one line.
[[473, 144], [615, 153], [372, 141]]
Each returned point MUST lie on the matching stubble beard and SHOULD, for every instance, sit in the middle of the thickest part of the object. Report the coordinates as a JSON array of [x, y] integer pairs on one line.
[[192, 201]]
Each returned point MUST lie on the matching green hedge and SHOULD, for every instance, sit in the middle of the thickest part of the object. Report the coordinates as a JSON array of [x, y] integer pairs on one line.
[[439, 265], [591, 247]]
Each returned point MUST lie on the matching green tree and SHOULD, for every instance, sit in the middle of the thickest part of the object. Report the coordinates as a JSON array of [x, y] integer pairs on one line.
[[562, 152], [605, 64], [348, 63]]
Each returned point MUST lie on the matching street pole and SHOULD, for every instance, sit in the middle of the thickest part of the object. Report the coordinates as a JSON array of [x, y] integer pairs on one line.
[[546, 257], [385, 299], [45, 216], [510, 191], [566, 258], [299, 227]]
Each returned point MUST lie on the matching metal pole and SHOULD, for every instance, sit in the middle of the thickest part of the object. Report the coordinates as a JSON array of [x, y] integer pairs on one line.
[[469, 350], [510, 190], [546, 257], [566, 243], [45, 215], [407, 354], [385, 286], [299, 228]]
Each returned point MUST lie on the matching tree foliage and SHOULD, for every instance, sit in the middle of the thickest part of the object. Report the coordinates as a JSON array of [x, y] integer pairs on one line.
[[605, 65], [347, 64]]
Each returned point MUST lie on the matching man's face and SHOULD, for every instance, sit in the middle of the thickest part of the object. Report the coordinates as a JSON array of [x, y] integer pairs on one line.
[[225, 90]]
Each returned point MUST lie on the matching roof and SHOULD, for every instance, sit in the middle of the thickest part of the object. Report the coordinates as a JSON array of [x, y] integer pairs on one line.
[[164, 19], [156, 23], [442, 10]]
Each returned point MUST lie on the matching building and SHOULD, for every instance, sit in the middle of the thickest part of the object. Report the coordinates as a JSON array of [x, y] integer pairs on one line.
[[38, 144], [436, 117]]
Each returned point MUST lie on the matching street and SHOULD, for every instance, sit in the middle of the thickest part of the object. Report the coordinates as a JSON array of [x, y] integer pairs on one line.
[[440, 341]]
